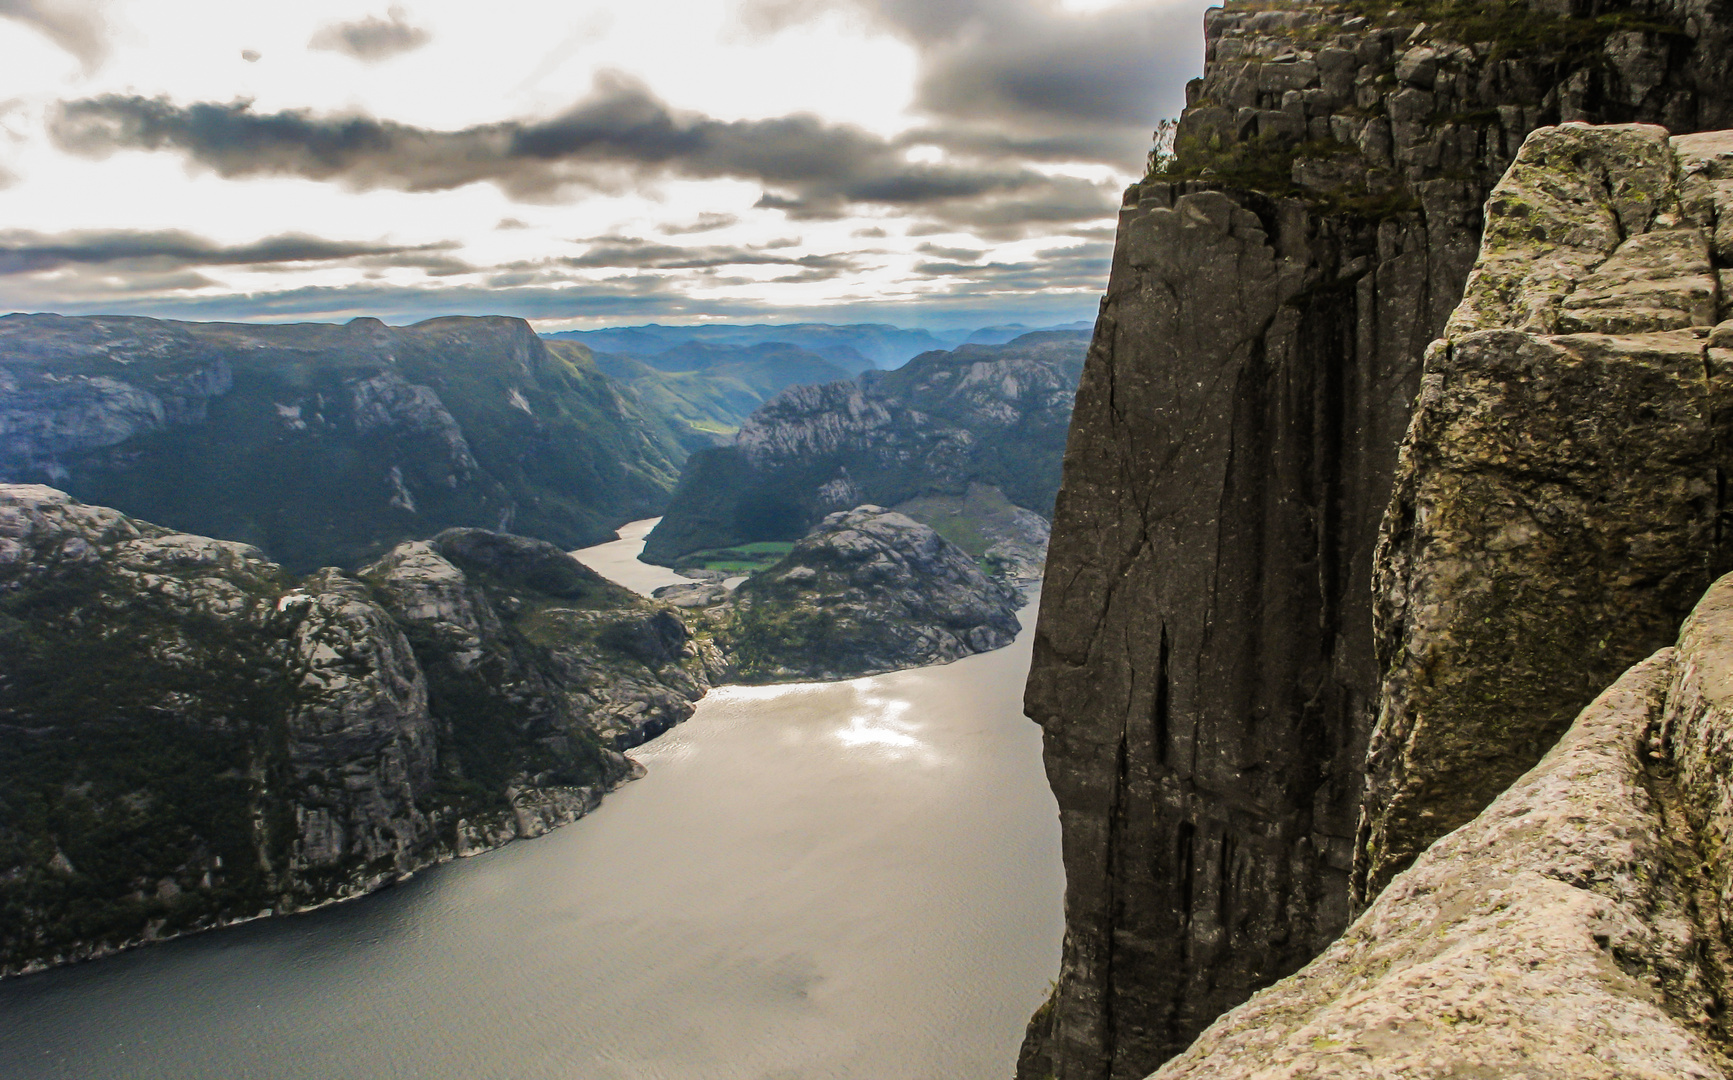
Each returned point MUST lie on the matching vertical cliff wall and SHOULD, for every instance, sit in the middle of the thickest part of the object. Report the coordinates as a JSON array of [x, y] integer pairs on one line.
[[1204, 668]]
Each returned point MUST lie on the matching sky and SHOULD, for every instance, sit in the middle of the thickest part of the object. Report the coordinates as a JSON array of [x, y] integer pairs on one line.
[[580, 163]]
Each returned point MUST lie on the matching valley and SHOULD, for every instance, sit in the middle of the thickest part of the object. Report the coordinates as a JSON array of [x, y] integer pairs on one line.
[[855, 879]]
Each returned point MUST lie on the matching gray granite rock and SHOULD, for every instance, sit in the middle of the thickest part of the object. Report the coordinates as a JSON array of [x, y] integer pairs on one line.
[[868, 590], [1204, 669], [1575, 929], [204, 738], [1559, 501]]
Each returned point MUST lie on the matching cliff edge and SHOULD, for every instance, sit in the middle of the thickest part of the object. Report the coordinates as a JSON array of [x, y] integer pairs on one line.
[[1561, 497], [1575, 930], [1205, 672]]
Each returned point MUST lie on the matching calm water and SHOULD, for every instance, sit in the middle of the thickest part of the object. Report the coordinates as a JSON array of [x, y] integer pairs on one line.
[[851, 880]]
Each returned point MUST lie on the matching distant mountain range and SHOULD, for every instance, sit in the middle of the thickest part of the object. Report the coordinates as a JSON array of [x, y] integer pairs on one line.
[[326, 444], [999, 335], [980, 417], [853, 348], [706, 390]]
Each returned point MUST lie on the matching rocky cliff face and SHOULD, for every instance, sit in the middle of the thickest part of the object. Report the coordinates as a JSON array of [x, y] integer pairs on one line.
[[867, 591], [1204, 665], [328, 444], [1560, 499], [192, 736], [1577, 928], [990, 415]]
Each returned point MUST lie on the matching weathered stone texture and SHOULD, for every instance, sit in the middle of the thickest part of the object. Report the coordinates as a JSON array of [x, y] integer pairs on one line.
[[1560, 497], [1204, 664], [193, 737], [1575, 929], [868, 590]]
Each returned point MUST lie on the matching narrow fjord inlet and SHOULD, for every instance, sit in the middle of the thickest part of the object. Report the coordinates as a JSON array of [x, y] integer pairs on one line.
[[842, 880]]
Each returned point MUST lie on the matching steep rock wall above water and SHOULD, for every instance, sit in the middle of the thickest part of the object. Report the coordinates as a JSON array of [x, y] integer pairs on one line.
[[989, 415], [1204, 666], [190, 736], [867, 591]]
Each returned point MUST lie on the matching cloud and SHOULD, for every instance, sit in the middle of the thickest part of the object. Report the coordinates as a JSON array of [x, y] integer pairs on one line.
[[75, 25], [950, 252], [251, 56], [630, 252], [618, 137], [708, 221], [26, 252], [1079, 267], [371, 39], [1030, 78]]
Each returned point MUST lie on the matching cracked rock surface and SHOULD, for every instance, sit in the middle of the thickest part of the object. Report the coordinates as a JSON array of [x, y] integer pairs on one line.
[[1205, 672], [1560, 499], [1576, 929]]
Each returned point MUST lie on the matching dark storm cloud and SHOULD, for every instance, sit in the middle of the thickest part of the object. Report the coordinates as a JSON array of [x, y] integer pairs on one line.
[[619, 135], [25, 252], [950, 252], [74, 25], [371, 38], [1026, 79]]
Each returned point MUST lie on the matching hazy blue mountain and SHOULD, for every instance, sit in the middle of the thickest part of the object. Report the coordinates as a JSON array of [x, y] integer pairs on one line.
[[704, 391], [326, 444], [999, 335], [853, 348], [988, 415]]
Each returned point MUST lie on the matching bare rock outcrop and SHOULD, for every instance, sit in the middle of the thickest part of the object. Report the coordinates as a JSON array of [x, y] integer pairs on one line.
[[979, 416], [191, 736], [869, 590], [1575, 930], [1205, 673], [1560, 499]]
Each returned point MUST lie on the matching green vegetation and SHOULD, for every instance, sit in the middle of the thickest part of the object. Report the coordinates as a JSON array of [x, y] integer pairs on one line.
[[1266, 164], [95, 771], [743, 559], [326, 448], [763, 637], [706, 391], [971, 521], [159, 748], [724, 500]]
